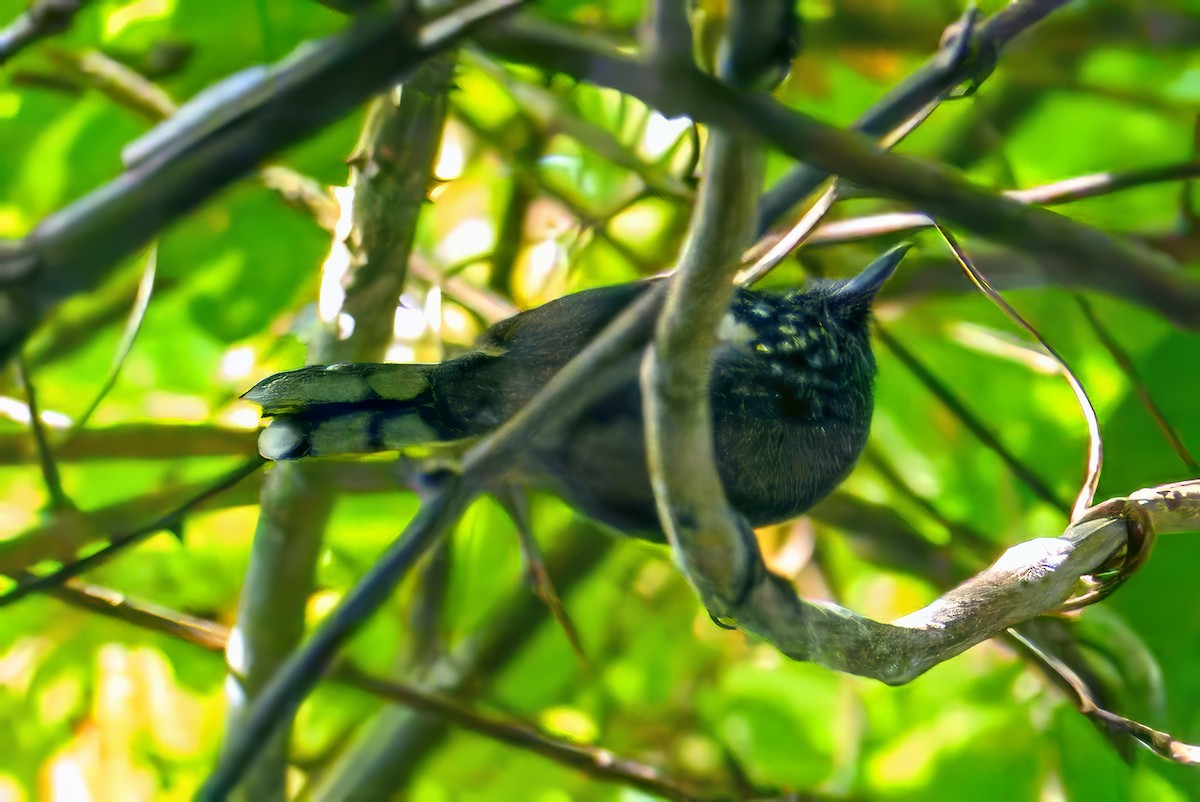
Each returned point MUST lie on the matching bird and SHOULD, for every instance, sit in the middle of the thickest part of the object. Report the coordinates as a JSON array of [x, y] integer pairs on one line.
[[791, 387]]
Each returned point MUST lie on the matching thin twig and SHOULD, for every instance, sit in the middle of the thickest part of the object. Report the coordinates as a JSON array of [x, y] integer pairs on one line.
[[805, 227], [116, 81], [132, 90], [139, 441], [551, 113], [1125, 363], [970, 420], [968, 52], [58, 498], [170, 521], [937, 189], [1161, 743], [516, 503], [597, 763], [1067, 190], [133, 325], [223, 136], [1095, 461]]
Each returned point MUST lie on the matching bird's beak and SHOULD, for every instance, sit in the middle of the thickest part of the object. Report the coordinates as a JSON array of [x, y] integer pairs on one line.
[[867, 283]]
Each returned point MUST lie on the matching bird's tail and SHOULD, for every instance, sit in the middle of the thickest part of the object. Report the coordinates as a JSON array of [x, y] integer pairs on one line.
[[325, 410]]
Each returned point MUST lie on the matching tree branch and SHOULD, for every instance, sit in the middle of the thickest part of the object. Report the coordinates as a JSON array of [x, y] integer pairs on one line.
[[392, 170], [42, 19], [935, 189], [597, 763], [708, 538], [1030, 579], [1068, 190], [961, 58], [217, 138], [387, 751]]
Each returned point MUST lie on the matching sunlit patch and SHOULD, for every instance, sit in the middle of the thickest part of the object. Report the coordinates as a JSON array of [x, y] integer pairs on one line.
[[470, 238], [641, 223], [60, 699], [337, 264], [433, 309], [699, 755], [345, 325], [662, 133], [541, 273], [235, 695], [18, 511], [451, 158], [13, 222], [237, 363], [121, 18], [400, 352], [322, 603], [235, 652], [457, 323], [571, 723], [794, 548], [240, 415], [409, 323], [67, 781], [18, 665], [173, 716], [14, 410], [10, 789], [332, 295], [18, 412], [549, 217]]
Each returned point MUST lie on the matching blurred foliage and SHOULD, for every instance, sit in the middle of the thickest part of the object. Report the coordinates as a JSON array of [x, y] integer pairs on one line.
[[98, 709]]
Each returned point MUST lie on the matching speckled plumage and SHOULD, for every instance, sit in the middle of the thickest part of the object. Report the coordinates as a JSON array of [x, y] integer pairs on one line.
[[792, 397]]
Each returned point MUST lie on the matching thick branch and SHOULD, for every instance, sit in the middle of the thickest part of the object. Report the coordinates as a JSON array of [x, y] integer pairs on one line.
[[709, 540], [300, 673], [294, 509], [940, 75], [219, 137], [934, 189], [1030, 579], [42, 19], [438, 708], [388, 750], [393, 167]]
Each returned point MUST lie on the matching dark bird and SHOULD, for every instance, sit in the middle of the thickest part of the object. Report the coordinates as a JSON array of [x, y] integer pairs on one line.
[[792, 397]]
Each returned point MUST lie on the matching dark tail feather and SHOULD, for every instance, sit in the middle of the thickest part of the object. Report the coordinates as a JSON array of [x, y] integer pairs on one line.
[[343, 409]]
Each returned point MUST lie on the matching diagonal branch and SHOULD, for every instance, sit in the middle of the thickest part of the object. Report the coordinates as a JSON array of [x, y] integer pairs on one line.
[[959, 59], [392, 170], [1030, 579], [599, 764], [43, 18], [933, 188], [216, 139]]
